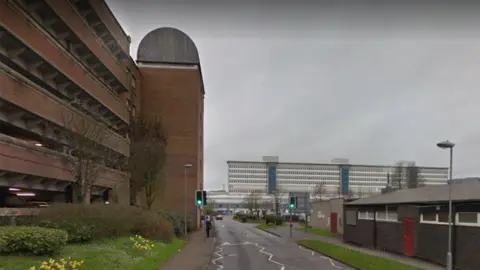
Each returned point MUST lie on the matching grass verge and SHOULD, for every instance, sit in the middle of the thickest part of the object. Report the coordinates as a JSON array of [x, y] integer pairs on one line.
[[111, 254], [321, 232], [356, 258]]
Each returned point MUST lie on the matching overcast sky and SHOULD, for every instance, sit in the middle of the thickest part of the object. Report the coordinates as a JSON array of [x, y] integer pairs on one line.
[[309, 83]]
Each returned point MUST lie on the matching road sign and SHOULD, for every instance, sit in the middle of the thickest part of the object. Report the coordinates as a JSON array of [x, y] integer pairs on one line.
[[302, 203], [194, 211]]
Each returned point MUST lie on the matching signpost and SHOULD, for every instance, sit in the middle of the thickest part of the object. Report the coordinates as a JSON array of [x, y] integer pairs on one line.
[[302, 206]]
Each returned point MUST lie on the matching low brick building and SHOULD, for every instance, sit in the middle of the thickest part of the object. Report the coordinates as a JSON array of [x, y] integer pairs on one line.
[[414, 222], [328, 215]]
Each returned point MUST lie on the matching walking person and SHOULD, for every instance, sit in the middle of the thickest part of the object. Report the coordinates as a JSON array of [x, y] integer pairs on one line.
[[208, 225]]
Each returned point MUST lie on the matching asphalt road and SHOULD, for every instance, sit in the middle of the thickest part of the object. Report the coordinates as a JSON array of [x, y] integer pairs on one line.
[[241, 246]]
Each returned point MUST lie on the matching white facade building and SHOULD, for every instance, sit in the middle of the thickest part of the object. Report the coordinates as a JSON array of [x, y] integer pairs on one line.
[[338, 177]]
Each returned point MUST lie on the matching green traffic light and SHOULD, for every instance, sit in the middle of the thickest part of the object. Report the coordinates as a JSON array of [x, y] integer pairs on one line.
[[199, 202], [291, 205]]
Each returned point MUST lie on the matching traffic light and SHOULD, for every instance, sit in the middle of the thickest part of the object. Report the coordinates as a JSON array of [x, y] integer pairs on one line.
[[199, 197], [204, 197], [293, 202]]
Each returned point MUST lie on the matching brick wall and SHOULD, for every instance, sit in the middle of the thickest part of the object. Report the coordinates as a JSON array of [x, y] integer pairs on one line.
[[175, 95]]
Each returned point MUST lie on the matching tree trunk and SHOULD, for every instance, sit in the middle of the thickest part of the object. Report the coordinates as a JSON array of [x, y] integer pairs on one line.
[[87, 196]]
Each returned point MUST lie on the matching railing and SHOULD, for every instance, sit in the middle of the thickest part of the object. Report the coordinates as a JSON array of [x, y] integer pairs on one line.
[[17, 216]]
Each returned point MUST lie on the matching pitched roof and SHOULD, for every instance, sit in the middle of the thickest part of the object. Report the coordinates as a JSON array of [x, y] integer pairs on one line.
[[431, 194]]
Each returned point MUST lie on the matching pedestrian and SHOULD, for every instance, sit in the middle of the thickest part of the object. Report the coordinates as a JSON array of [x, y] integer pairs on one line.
[[202, 221], [208, 226]]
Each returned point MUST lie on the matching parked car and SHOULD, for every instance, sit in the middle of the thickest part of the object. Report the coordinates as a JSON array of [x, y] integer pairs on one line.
[[219, 217]]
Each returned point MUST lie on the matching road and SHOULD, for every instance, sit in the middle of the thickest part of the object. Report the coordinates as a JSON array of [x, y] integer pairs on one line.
[[240, 246]]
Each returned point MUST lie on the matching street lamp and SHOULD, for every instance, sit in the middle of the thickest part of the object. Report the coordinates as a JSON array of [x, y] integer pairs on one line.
[[185, 167], [449, 145]]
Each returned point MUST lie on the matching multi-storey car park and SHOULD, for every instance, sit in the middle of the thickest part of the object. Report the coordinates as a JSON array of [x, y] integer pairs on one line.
[[338, 177], [71, 58]]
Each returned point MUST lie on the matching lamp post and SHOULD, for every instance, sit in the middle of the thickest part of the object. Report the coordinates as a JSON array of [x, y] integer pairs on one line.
[[185, 167], [449, 145]]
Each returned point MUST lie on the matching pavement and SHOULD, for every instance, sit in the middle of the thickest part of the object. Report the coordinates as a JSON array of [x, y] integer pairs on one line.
[[284, 233], [195, 255], [241, 246]]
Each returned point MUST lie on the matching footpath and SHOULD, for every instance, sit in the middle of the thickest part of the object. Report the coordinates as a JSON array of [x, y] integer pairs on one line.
[[284, 232], [195, 255]]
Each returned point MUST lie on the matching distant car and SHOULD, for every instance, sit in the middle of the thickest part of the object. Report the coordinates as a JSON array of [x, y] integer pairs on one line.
[[219, 217]]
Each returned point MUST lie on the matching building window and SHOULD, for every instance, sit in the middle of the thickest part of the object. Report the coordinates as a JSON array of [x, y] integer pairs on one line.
[[467, 219], [387, 215], [367, 215], [429, 217], [434, 218], [351, 217]]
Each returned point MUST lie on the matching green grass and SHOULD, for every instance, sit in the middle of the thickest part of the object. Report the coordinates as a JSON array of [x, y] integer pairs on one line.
[[321, 232], [111, 254], [269, 226], [356, 258]]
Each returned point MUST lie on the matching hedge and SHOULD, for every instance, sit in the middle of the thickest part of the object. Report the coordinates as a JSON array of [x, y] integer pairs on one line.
[[31, 240], [86, 222], [271, 219]]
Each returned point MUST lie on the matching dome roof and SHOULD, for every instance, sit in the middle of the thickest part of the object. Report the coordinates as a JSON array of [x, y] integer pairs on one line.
[[167, 45]]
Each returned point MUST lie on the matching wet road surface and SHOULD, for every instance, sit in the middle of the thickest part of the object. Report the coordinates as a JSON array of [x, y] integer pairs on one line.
[[241, 246]]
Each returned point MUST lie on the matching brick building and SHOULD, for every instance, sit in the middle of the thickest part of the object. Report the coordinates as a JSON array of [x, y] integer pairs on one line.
[[72, 58], [414, 222]]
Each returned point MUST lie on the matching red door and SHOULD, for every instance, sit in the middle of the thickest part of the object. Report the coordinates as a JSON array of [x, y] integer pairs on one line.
[[408, 236], [333, 222]]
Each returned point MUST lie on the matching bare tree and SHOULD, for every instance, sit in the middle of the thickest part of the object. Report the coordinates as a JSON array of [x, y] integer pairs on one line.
[[339, 192], [252, 202], [319, 191], [351, 194], [277, 200], [147, 159], [421, 182], [209, 209], [397, 177], [406, 175], [89, 156]]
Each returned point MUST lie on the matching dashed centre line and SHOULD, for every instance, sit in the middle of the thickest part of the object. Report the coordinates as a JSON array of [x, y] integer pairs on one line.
[[261, 250]]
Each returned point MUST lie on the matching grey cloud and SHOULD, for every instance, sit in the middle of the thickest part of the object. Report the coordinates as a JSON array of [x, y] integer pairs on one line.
[[372, 84]]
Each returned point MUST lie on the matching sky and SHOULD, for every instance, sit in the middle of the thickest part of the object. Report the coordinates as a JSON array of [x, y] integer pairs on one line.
[[310, 82]]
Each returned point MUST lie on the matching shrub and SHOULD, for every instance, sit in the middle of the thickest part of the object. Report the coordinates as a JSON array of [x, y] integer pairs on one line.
[[77, 232], [271, 219], [86, 222], [177, 220], [34, 240]]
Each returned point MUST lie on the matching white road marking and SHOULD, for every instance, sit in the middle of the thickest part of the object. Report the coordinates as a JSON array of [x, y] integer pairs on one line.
[[304, 249], [322, 257], [219, 254], [260, 250]]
